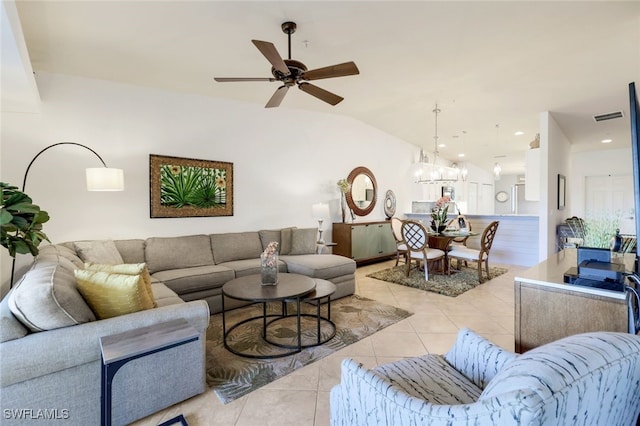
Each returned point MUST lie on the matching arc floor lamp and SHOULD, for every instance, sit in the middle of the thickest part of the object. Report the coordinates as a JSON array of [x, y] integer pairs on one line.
[[98, 179]]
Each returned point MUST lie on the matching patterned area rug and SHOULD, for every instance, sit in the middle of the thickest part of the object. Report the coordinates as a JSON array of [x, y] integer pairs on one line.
[[232, 376], [450, 285]]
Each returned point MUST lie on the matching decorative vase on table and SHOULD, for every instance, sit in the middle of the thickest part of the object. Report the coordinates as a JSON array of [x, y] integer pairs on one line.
[[343, 185], [269, 264]]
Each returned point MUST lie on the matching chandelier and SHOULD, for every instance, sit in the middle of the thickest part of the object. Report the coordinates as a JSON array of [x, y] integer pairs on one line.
[[432, 172]]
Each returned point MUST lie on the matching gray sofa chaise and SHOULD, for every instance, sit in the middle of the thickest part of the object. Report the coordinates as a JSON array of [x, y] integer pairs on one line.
[[49, 337]]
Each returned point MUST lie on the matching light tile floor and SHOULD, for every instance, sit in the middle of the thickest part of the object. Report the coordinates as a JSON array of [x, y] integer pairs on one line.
[[302, 397]]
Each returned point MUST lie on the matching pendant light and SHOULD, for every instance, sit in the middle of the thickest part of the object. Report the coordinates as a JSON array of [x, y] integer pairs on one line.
[[496, 167], [464, 172], [437, 174]]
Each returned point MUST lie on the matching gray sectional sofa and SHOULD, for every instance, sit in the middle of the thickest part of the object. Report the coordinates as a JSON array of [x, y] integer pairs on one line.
[[49, 337]]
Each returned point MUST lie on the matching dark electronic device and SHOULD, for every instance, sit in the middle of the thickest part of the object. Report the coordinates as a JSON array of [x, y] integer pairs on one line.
[[596, 270]]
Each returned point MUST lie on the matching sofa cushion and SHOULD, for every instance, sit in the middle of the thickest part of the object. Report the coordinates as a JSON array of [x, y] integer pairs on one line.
[[132, 251], [103, 251], [432, 379], [268, 235], [127, 269], [187, 280], [235, 246], [46, 298], [250, 267], [111, 295], [163, 296], [62, 261], [323, 266], [10, 327], [303, 241], [62, 250], [281, 236], [163, 254], [285, 240]]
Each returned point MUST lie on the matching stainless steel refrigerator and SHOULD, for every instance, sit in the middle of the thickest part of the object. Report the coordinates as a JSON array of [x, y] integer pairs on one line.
[[518, 204]]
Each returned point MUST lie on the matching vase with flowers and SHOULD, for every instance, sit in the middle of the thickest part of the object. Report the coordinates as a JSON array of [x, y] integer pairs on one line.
[[439, 214], [344, 186], [269, 264]]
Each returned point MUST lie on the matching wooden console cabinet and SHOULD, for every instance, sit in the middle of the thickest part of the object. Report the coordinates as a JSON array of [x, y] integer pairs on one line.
[[364, 242], [547, 309]]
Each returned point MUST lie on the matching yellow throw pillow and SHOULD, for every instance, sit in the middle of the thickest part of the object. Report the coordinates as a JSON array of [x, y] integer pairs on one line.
[[126, 269], [111, 295]]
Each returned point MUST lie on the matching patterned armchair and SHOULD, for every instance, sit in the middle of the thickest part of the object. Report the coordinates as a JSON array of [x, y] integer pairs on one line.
[[585, 379]]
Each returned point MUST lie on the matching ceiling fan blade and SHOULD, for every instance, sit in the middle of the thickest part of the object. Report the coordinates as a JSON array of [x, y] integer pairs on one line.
[[271, 53], [229, 79], [277, 97], [321, 94], [340, 70]]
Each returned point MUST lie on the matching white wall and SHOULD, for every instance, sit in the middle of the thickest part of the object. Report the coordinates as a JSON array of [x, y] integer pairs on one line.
[[594, 163], [556, 153], [284, 160]]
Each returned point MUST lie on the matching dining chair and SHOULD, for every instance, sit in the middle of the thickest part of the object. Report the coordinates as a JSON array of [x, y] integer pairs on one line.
[[455, 224], [401, 247], [416, 238], [481, 256]]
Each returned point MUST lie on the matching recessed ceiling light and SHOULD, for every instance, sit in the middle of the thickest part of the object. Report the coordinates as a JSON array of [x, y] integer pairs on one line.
[[607, 140], [519, 133], [461, 155], [442, 145]]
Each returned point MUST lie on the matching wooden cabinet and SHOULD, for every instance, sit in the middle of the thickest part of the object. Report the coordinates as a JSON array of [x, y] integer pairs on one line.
[[364, 242], [545, 314], [547, 309]]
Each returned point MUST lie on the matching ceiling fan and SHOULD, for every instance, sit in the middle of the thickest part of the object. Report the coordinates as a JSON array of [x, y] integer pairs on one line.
[[291, 72]]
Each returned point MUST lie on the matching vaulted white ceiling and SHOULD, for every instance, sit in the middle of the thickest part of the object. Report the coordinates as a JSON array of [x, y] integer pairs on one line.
[[484, 63]]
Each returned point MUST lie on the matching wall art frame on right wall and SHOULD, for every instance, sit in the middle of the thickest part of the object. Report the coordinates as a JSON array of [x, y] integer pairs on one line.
[[562, 192]]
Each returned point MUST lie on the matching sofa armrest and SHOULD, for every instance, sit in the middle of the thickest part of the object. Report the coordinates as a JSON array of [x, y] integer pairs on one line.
[[477, 358], [364, 398], [46, 352]]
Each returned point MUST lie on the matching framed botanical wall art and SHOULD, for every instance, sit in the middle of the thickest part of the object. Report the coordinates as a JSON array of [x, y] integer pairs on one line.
[[184, 187]]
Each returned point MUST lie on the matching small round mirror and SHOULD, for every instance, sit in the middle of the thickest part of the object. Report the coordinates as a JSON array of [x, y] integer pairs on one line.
[[361, 196], [389, 204]]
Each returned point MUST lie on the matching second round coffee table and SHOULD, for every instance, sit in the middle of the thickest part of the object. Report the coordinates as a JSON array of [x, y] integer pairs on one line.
[[249, 288]]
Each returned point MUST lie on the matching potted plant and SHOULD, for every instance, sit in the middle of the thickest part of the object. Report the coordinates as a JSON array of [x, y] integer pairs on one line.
[[439, 214], [21, 222]]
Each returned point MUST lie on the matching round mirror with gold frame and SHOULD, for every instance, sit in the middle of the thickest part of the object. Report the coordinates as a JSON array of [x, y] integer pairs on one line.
[[362, 193]]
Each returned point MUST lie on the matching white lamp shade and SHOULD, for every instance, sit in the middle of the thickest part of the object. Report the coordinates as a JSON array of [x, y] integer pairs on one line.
[[105, 179], [320, 211]]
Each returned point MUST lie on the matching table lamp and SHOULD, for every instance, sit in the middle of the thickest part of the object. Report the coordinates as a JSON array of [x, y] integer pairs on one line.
[[319, 212]]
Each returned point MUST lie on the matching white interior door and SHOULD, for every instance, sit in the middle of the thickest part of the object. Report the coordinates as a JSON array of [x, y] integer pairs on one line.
[[613, 194], [473, 198], [486, 199]]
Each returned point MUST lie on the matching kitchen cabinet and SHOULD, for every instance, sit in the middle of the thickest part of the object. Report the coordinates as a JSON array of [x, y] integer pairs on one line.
[[547, 309]]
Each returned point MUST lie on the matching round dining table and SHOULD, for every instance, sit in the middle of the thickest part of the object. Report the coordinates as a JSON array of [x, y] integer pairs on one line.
[[442, 241]]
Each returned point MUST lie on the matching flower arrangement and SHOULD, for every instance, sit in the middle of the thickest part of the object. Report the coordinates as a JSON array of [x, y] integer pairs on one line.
[[343, 184], [270, 258], [440, 211]]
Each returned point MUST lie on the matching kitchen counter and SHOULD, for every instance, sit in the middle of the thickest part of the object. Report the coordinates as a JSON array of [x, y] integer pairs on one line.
[[547, 309], [550, 273]]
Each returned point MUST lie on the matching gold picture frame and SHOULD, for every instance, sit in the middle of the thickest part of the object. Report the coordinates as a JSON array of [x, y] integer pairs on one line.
[[186, 187]]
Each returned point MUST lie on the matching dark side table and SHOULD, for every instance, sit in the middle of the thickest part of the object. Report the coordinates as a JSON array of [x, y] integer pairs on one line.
[[119, 349]]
